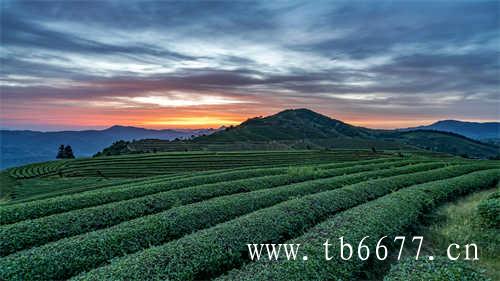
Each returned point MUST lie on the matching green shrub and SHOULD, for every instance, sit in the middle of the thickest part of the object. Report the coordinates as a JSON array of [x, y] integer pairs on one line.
[[37, 169], [45, 207], [387, 216], [441, 268], [29, 233], [300, 171], [489, 209], [87, 251], [209, 252], [161, 163], [40, 208]]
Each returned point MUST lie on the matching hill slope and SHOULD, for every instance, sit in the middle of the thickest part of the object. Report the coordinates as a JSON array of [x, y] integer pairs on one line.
[[473, 130], [23, 147], [289, 125], [306, 129], [449, 143]]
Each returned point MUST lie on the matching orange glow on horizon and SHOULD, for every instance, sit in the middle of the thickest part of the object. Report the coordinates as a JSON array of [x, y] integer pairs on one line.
[[190, 122], [187, 118]]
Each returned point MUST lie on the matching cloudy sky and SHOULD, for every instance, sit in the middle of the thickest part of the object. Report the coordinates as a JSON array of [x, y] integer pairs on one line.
[[75, 65]]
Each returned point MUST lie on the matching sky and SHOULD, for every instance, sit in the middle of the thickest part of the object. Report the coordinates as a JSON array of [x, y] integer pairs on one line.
[[193, 64]]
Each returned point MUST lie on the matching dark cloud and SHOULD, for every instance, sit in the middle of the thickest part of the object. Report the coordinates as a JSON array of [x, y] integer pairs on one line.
[[361, 56], [378, 26], [139, 15], [28, 34]]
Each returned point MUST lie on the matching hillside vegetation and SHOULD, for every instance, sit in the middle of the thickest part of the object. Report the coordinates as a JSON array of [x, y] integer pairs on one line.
[[449, 143], [56, 177], [179, 226], [140, 165], [189, 215], [23, 147], [458, 222], [305, 129]]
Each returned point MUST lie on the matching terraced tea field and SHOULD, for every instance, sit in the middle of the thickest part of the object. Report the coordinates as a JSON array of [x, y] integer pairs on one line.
[[37, 170], [142, 165], [191, 215]]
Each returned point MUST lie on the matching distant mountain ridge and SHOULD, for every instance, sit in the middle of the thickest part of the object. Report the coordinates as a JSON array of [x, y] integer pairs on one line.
[[288, 129], [473, 130], [22, 147]]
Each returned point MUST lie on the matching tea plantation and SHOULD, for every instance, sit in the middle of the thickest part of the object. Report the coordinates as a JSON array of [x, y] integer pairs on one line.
[[190, 216]]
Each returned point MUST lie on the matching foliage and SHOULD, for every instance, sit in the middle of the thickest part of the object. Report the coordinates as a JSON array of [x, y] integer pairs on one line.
[[149, 164], [95, 248], [306, 129], [117, 148], [459, 222], [489, 209], [40, 208], [37, 170], [46, 229], [448, 143], [209, 252], [65, 152], [387, 216], [441, 268], [31, 210], [195, 225]]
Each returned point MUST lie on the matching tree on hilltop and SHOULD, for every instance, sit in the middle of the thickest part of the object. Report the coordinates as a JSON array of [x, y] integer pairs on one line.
[[68, 151], [65, 152], [60, 152]]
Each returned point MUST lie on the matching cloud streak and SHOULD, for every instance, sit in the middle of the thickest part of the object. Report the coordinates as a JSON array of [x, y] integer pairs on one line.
[[356, 61]]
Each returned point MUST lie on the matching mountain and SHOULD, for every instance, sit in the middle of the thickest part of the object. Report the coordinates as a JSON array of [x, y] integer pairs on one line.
[[22, 147], [449, 143], [473, 130], [306, 129], [289, 125], [289, 129]]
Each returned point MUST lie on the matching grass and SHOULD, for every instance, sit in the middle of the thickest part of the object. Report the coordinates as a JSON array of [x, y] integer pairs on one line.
[[439, 269], [459, 222], [388, 215]]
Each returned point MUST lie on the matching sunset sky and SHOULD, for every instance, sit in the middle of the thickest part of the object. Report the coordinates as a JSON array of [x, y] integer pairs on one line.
[[78, 65]]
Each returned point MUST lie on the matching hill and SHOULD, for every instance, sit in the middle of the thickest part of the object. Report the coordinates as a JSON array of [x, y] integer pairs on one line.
[[449, 143], [306, 129], [23, 147], [473, 130], [289, 125]]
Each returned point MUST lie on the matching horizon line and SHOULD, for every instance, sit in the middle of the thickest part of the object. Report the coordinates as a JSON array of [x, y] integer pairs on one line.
[[63, 127]]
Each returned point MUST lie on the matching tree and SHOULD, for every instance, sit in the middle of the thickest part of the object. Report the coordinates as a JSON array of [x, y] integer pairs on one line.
[[68, 151], [65, 152], [60, 152]]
